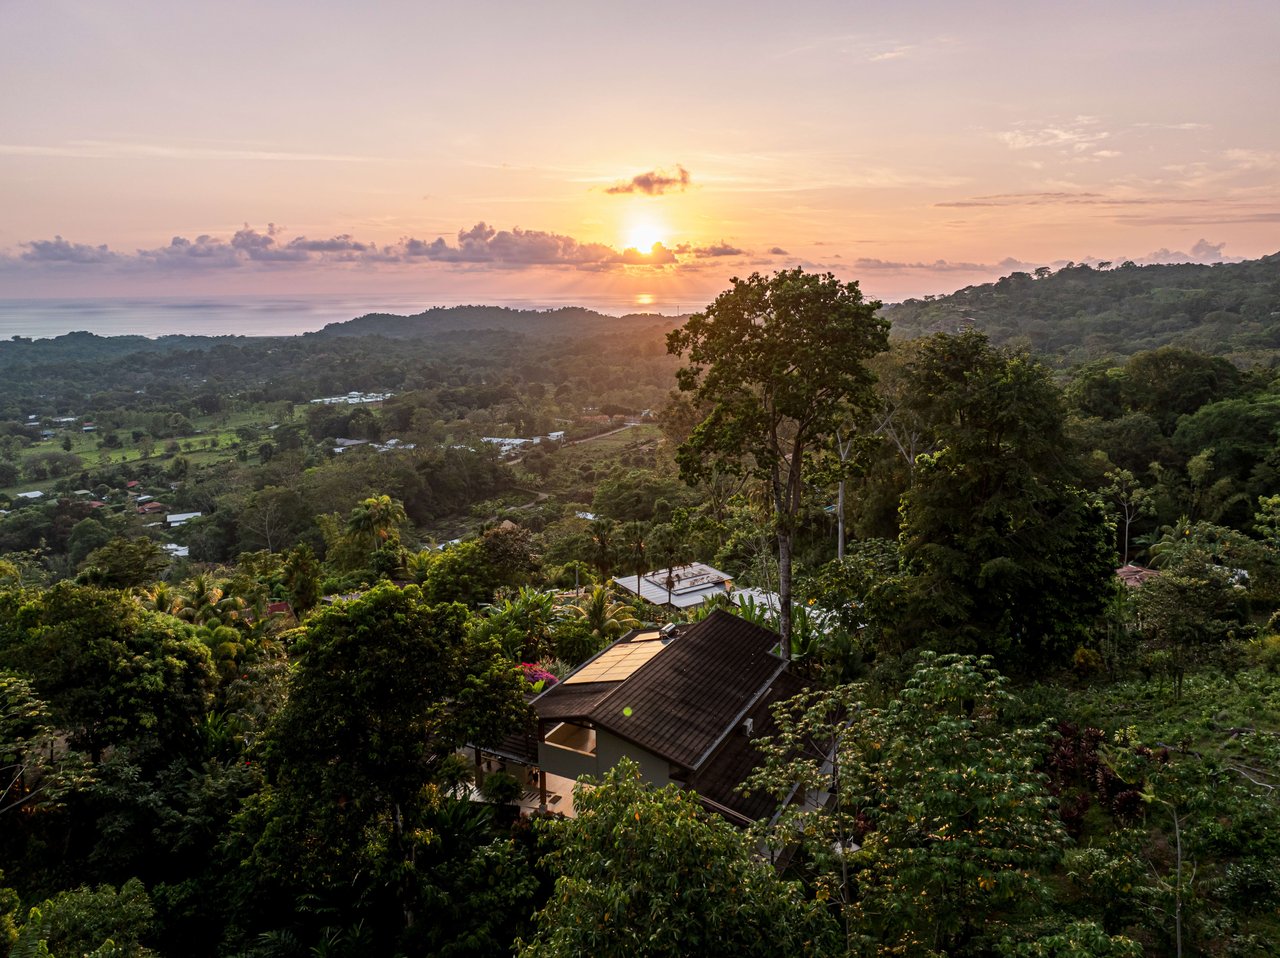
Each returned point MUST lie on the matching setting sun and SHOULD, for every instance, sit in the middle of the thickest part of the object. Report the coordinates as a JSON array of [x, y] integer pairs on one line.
[[643, 233]]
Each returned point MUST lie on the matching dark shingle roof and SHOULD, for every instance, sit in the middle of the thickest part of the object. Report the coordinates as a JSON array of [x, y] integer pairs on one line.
[[571, 699], [681, 703], [719, 777]]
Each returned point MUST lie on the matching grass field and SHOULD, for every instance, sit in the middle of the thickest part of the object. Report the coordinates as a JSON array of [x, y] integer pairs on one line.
[[215, 439]]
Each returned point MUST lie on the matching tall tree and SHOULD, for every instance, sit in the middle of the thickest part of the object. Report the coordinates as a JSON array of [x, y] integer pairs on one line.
[[386, 689], [1004, 554], [781, 361], [604, 548], [636, 537]]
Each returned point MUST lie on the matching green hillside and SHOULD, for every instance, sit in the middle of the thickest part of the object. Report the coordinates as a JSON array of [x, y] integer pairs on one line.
[[1082, 312]]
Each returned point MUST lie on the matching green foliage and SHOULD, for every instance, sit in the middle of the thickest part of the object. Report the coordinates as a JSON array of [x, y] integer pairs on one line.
[[605, 617], [110, 670], [461, 573], [501, 788], [954, 821], [33, 768], [643, 872], [1004, 554], [862, 591], [1265, 652], [1079, 312], [521, 625], [301, 575], [1199, 771], [1080, 939], [8, 916], [89, 923], [385, 689], [639, 495], [125, 564], [373, 520], [472, 571]]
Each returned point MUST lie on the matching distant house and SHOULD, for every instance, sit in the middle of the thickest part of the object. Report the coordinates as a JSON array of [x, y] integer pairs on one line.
[[175, 519], [33, 495], [353, 398], [1134, 575], [681, 587], [177, 551], [132, 484], [151, 508], [394, 445], [506, 446], [685, 705]]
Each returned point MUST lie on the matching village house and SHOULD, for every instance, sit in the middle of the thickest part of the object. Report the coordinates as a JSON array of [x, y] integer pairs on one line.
[[680, 587], [685, 703]]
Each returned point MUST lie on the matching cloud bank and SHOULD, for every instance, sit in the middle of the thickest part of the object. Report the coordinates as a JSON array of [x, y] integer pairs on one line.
[[480, 247]]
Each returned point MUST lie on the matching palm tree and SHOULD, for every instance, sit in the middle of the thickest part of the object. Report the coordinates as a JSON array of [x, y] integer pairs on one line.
[[418, 564], [162, 597], [603, 547], [669, 550], [607, 618], [635, 534], [302, 578], [226, 645], [205, 601], [373, 520]]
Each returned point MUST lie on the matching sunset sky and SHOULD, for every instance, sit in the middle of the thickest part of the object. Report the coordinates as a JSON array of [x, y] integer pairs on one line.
[[468, 152]]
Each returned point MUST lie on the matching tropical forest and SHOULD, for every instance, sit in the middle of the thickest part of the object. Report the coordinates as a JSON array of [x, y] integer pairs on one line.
[[271, 606]]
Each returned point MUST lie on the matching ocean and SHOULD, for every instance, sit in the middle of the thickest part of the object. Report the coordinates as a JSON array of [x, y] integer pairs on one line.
[[243, 315]]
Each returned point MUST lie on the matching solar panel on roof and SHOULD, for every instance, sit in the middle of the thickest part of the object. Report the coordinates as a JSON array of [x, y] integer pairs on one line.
[[617, 663]]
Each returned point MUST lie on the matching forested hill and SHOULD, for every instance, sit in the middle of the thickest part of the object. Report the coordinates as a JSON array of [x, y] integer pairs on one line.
[[567, 320], [1082, 312]]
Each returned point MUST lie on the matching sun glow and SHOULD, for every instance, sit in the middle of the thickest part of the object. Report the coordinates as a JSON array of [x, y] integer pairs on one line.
[[643, 233]]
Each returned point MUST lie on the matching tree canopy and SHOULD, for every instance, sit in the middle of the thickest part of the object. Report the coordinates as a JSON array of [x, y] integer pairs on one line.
[[781, 362], [643, 872]]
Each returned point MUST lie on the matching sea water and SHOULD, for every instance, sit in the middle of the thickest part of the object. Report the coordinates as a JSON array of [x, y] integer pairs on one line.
[[244, 315]]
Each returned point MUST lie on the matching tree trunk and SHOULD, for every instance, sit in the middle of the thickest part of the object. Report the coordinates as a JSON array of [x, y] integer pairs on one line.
[[784, 590], [1177, 908], [840, 522]]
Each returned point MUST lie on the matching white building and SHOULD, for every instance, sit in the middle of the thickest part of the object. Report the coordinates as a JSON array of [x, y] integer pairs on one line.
[[680, 587]]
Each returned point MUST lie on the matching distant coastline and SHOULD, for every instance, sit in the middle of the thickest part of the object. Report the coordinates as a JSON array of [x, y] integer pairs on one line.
[[242, 315]]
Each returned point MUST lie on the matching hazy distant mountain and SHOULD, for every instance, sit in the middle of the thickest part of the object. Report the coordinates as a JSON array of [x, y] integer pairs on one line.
[[1082, 312], [566, 320]]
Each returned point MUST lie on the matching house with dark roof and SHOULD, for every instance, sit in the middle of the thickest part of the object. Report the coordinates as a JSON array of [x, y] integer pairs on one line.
[[685, 704]]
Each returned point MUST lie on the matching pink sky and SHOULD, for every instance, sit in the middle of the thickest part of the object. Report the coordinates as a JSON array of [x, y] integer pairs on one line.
[[540, 150]]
